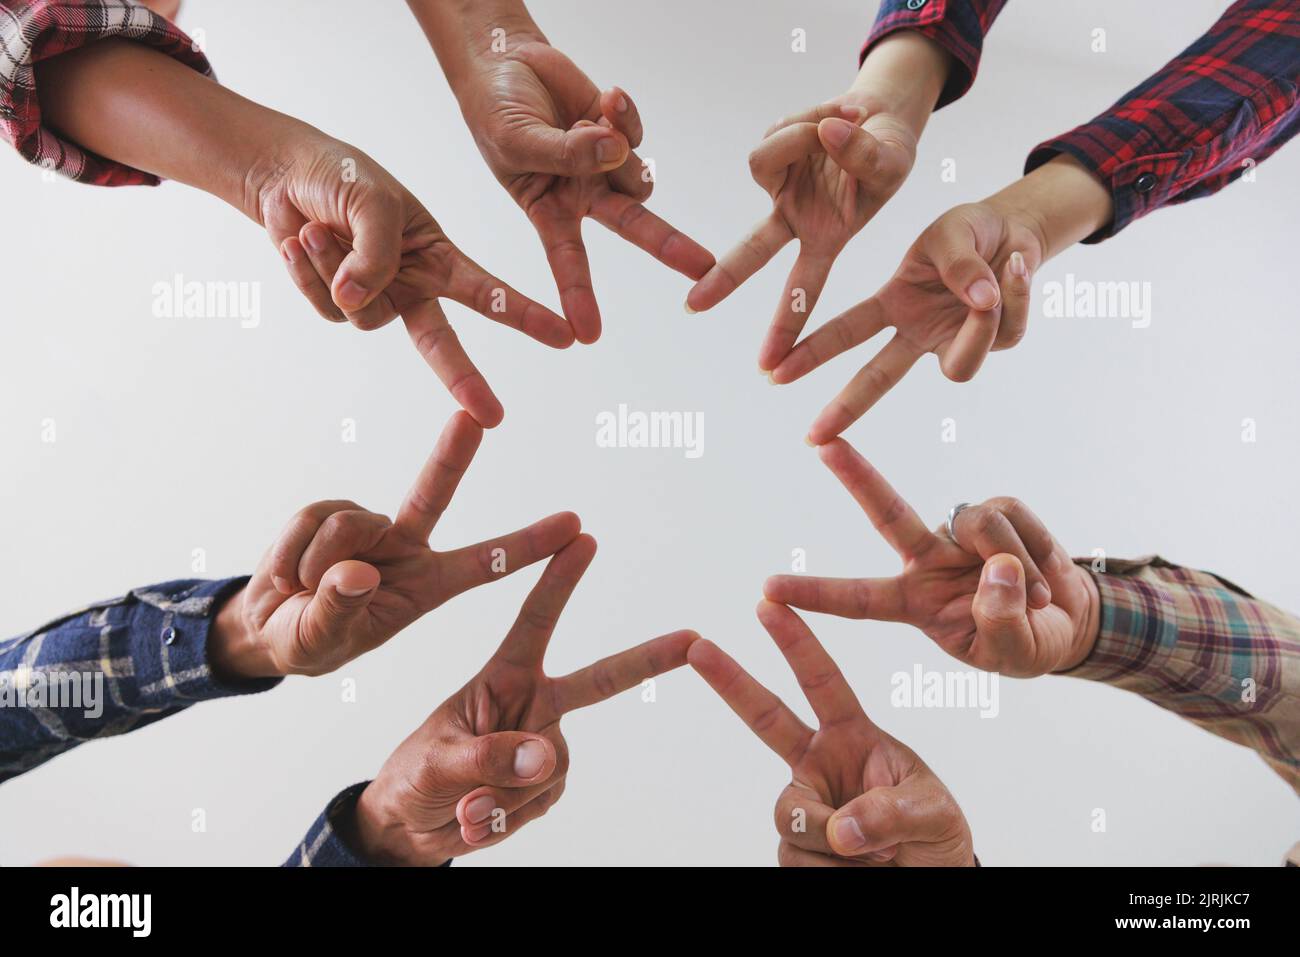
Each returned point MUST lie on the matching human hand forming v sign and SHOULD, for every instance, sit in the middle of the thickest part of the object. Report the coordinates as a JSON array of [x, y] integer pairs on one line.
[[491, 758], [857, 796], [829, 170], [561, 147], [341, 580], [1004, 596], [962, 290]]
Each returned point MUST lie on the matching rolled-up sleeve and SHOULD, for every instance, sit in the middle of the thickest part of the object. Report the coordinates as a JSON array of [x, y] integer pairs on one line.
[[1224, 104], [958, 26], [1199, 646], [35, 30]]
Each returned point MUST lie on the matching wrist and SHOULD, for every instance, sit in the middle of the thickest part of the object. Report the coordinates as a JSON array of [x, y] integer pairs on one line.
[[234, 651], [376, 833], [903, 75], [1088, 626], [466, 35], [1061, 201]]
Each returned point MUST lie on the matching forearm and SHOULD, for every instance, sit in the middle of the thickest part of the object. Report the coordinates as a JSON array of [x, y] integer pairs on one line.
[[1197, 645], [139, 107], [463, 32], [111, 669], [1061, 201], [903, 74]]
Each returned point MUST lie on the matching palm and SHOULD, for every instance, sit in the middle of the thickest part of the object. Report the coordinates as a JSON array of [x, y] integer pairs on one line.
[[563, 150], [825, 206], [292, 603], [842, 759], [409, 588], [926, 314], [938, 592]]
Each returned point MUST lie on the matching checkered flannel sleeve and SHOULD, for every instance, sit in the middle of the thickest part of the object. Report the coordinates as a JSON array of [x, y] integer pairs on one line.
[[109, 669], [34, 30], [1224, 104], [958, 26], [1199, 646]]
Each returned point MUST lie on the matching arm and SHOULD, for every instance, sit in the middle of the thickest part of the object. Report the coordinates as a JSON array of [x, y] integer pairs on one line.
[[357, 244], [1224, 104], [32, 32], [116, 667], [957, 26], [561, 147], [1201, 647]]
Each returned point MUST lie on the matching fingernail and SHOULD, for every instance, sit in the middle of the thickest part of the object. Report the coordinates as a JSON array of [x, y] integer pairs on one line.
[[607, 150], [621, 103], [480, 809], [982, 293], [288, 251], [771, 377], [1039, 594], [807, 440], [837, 131], [314, 237], [529, 758], [689, 310], [352, 294], [857, 113], [1018, 267], [848, 836], [282, 586], [1004, 573], [353, 592]]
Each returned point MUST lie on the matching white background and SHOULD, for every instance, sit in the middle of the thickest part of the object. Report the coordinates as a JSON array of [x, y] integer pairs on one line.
[[183, 434]]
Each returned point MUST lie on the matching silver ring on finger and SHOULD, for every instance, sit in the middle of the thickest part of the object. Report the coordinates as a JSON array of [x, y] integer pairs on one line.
[[952, 518]]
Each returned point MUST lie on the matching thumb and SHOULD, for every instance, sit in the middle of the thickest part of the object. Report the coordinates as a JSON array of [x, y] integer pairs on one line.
[[344, 592], [950, 245], [880, 819], [585, 149], [506, 759], [999, 608], [852, 148], [376, 226]]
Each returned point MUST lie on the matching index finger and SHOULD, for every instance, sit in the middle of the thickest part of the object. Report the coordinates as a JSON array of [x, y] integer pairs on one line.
[[439, 476], [802, 290], [891, 516], [766, 715], [437, 343], [525, 643], [820, 678], [749, 256], [471, 285], [618, 673], [642, 228]]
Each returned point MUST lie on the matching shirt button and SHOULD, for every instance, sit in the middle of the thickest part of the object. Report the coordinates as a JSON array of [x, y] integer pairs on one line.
[[1145, 183], [169, 635]]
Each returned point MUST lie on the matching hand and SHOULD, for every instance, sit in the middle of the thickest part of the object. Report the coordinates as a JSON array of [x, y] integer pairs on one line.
[[362, 249], [857, 796], [341, 580], [562, 148], [491, 758], [962, 289], [829, 170], [968, 596]]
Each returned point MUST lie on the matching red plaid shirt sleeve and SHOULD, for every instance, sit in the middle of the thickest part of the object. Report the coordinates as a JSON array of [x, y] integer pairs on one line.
[[956, 25], [1199, 646], [34, 30], [1221, 106]]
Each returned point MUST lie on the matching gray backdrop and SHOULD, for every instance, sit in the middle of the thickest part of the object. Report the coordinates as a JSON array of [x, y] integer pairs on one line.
[[175, 435]]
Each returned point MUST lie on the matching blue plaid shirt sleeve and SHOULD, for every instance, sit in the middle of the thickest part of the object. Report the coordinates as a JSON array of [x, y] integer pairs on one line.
[[109, 669], [324, 845]]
